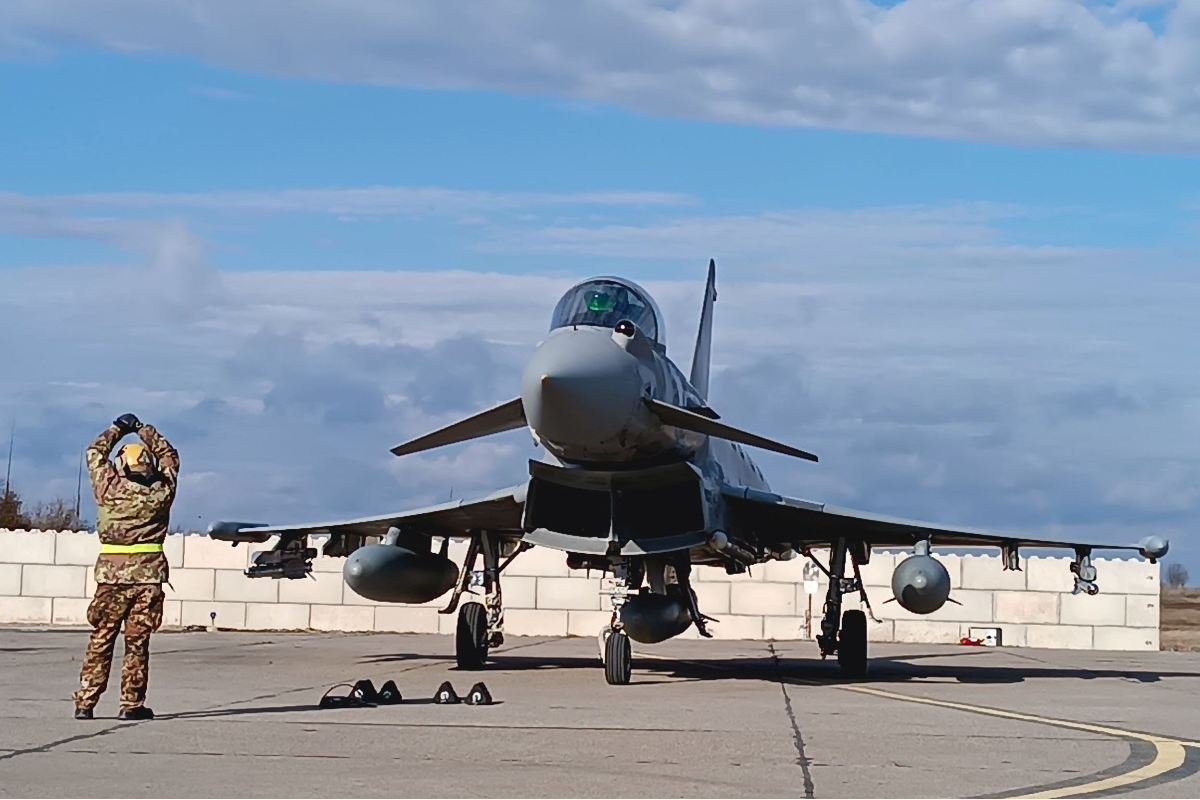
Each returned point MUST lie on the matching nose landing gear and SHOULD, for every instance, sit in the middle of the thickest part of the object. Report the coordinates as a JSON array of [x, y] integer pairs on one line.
[[618, 658]]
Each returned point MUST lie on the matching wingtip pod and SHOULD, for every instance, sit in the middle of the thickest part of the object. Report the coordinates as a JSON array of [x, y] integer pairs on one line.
[[237, 532], [1154, 547]]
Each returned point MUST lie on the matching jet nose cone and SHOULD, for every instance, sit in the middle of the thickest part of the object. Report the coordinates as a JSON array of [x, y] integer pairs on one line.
[[580, 389]]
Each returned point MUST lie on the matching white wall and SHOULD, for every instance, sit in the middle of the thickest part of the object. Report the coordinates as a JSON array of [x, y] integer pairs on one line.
[[46, 579]]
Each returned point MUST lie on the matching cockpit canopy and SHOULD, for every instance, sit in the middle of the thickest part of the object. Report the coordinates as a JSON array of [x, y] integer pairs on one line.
[[605, 302]]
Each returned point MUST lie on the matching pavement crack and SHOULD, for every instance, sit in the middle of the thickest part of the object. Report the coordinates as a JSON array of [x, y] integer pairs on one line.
[[46, 748], [802, 759]]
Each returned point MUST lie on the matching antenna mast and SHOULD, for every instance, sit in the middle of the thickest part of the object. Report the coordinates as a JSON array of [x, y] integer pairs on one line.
[[8, 473], [78, 488]]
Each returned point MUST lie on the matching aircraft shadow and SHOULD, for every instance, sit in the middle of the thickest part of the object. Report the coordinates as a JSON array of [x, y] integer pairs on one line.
[[882, 669], [765, 669]]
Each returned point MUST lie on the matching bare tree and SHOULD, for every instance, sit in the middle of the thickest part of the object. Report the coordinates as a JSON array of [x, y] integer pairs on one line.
[[1177, 576], [11, 516], [57, 515]]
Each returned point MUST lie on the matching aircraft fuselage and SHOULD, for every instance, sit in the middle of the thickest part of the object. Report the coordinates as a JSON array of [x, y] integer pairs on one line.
[[616, 482], [582, 391]]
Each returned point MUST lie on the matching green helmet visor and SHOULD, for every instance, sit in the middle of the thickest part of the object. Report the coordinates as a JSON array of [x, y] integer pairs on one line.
[[600, 301]]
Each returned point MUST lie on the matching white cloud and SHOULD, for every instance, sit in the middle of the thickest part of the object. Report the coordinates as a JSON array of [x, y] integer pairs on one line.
[[1033, 72], [1032, 388], [180, 281], [665, 227], [61, 215], [791, 242], [375, 200]]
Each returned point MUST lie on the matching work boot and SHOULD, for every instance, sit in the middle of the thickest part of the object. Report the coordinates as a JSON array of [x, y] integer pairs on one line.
[[137, 712], [83, 713]]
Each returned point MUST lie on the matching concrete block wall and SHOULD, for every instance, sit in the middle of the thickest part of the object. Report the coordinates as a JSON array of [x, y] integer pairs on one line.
[[46, 579]]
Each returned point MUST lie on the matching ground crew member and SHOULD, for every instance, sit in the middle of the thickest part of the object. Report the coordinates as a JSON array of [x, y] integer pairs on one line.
[[133, 500]]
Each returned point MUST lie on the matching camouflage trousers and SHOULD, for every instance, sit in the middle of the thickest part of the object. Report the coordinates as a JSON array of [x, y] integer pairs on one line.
[[140, 607]]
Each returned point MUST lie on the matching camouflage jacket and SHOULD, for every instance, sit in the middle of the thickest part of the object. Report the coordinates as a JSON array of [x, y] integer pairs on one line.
[[131, 512]]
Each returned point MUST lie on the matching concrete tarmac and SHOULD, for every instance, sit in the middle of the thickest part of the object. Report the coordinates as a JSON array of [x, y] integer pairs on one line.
[[238, 717]]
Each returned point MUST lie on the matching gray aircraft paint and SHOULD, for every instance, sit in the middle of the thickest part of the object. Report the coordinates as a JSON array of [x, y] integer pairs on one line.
[[584, 394]]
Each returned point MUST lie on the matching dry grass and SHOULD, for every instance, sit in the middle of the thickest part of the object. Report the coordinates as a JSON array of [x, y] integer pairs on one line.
[[1180, 626]]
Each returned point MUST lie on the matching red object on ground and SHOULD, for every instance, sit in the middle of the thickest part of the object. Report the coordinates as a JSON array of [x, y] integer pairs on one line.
[[972, 642]]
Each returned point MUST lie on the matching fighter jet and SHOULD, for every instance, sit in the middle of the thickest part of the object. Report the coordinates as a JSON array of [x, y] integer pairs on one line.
[[641, 479]]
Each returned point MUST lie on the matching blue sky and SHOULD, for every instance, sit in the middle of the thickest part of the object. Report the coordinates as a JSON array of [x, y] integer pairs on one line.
[[957, 242]]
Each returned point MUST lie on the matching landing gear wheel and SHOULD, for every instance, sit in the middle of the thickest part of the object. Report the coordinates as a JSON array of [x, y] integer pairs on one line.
[[852, 644], [471, 638], [618, 658]]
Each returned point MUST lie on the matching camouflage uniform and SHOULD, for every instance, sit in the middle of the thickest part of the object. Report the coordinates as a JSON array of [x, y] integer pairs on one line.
[[128, 585]]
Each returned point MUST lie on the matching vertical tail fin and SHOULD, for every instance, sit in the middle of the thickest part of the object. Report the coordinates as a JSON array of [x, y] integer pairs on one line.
[[700, 359]]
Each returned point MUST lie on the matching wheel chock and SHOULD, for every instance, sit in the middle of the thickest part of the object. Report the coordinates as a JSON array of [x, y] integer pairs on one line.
[[352, 699], [364, 690], [389, 694], [446, 695], [479, 695]]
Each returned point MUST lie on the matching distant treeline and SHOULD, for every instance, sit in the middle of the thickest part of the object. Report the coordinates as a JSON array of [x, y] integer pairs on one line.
[[55, 515]]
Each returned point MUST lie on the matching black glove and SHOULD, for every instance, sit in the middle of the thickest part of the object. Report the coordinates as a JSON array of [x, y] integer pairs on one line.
[[127, 423]]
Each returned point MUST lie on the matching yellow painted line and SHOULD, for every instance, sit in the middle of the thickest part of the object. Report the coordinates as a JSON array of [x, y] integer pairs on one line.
[[996, 712], [1169, 753]]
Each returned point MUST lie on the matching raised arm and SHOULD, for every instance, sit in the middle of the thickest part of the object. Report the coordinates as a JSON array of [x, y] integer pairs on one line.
[[167, 455], [101, 471]]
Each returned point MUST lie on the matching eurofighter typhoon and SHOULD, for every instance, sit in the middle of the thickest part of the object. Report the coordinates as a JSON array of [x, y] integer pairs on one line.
[[641, 479]]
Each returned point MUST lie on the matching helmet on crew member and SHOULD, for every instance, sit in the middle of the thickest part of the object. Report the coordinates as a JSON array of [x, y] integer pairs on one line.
[[136, 457]]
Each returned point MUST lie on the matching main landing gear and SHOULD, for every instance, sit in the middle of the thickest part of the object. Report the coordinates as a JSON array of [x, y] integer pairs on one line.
[[480, 625], [849, 639]]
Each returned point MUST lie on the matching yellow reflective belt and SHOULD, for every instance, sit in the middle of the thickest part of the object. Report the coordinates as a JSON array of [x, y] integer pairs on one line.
[[131, 548]]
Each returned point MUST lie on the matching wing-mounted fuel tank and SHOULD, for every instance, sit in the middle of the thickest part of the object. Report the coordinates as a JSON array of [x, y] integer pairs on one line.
[[920, 583], [401, 569]]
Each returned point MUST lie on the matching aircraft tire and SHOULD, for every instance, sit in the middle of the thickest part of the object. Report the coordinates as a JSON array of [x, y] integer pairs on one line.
[[852, 644], [471, 637], [618, 659]]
